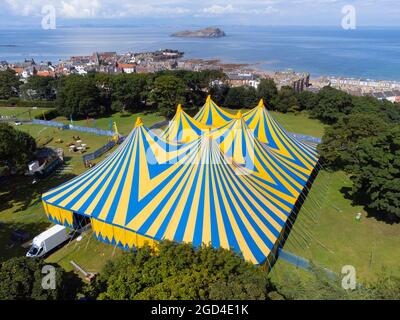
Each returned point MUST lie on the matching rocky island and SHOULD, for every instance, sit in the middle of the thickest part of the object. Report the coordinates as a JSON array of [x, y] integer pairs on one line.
[[203, 33]]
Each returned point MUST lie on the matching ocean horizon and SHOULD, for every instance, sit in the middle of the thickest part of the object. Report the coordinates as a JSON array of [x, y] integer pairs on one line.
[[367, 52]]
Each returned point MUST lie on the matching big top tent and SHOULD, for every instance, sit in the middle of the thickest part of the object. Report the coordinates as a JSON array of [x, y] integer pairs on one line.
[[220, 185]]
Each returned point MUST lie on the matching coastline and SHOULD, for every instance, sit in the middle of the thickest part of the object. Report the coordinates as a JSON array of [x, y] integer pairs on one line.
[[319, 51]]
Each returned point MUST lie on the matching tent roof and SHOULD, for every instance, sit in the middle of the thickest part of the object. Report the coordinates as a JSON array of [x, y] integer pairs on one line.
[[226, 187], [183, 128], [188, 192], [212, 115], [288, 149]]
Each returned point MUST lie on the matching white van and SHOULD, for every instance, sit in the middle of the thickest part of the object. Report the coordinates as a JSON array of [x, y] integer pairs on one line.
[[47, 241]]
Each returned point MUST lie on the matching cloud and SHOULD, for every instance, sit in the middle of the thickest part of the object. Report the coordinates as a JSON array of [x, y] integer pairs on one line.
[[97, 8], [247, 9], [217, 9], [290, 11]]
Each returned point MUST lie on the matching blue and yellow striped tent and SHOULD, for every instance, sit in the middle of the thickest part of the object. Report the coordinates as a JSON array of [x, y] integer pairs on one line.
[[292, 152], [225, 188], [183, 128], [212, 115]]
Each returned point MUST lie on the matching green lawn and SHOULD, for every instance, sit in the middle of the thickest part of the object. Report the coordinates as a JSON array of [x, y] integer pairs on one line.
[[125, 122], [88, 253], [22, 112], [327, 233]]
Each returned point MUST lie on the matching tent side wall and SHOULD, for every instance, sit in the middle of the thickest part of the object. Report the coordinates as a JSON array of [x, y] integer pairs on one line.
[[119, 236], [59, 215], [101, 230]]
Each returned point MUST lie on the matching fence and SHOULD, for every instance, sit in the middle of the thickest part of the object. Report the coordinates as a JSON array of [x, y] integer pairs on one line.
[[51, 124], [159, 125], [300, 262], [63, 126], [306, 138], [99, 152]]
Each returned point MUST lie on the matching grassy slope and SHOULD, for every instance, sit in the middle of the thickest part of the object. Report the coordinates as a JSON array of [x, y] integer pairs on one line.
[[327, 233], [125, 122], [22, 112]]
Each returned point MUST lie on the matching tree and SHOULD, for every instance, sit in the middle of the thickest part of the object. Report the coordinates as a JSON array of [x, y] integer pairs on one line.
[[9, 84], [267, 90], [307, 100], [317, 285], [167, 92], [104, 84], [21, 279], [179, 271], [253, 286], [332, 105], [130, 90], [341, 140], [385, 287], [16, 149], [219, 93], [285, 100], [369, 149], [384, 109], [241, 97], [38, 88], [376, 176], [79, 97], [197, 82]]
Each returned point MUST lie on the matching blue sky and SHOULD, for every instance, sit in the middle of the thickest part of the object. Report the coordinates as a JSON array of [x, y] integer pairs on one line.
[[205, 12]]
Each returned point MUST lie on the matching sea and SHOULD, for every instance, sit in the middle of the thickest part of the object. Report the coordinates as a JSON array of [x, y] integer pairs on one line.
[[367, 52]]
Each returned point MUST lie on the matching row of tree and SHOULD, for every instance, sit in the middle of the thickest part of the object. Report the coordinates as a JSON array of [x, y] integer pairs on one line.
[[180, 272], [97, 94]]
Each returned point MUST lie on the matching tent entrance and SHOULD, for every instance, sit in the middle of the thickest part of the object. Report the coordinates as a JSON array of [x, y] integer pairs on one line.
[[80, 221]]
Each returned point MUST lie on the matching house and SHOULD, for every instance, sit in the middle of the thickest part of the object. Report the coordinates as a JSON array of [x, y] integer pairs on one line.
[[243, 79], [126, 67], [18, 70]]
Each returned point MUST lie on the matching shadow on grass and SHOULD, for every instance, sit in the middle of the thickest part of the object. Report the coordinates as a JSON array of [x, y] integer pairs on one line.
[[12, 248], [360, 199], [19, 192]]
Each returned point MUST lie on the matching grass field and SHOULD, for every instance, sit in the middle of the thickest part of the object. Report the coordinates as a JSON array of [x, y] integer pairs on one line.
[[20, 205], [22, 112], [125, 122], [325, 232], [88, 253]]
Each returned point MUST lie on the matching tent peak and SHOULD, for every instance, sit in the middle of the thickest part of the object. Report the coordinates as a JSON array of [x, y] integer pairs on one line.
[[261, 103], [239, 115], [208, 98], [139, 122], [179, 108]]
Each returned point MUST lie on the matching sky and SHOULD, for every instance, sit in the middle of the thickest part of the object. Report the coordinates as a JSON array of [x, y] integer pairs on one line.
[[205, 12]]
